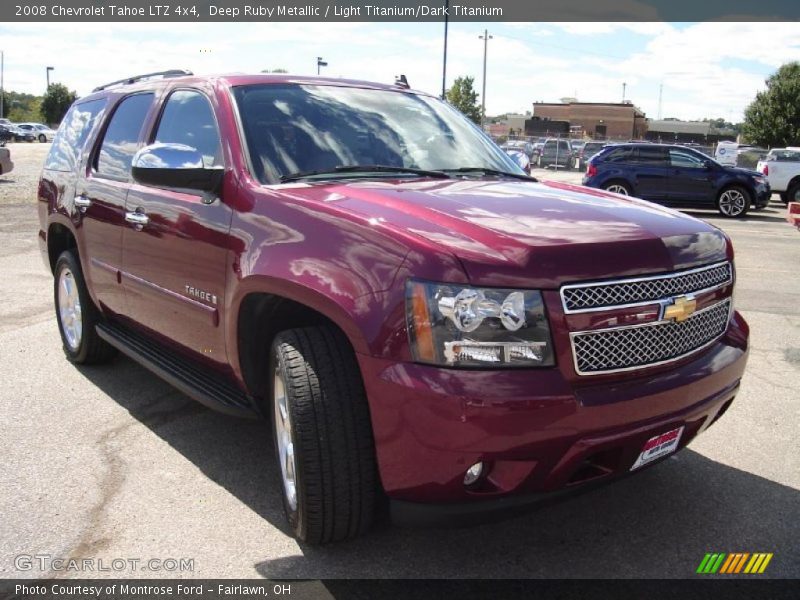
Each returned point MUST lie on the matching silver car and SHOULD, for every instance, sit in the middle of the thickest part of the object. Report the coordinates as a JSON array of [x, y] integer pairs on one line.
[[42, 132]]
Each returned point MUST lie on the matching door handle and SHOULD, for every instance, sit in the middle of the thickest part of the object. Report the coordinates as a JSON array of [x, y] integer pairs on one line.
[[138, 219], [82, 203]]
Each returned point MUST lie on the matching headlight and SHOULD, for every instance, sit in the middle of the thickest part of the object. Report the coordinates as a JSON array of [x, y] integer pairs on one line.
[[460, 326]]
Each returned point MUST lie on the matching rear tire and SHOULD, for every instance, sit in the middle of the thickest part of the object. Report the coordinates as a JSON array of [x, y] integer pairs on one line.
[[323, 435], [793, 193], [734, 202], [618, 187], [77, 315]]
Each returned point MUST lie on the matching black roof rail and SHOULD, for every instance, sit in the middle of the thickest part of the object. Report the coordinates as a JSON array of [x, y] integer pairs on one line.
[[135, 78]]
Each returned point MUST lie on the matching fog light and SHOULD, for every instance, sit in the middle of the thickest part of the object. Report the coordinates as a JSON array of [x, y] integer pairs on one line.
[[473, 473]]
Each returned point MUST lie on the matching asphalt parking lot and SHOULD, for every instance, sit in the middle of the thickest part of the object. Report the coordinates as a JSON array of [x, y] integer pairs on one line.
[[110, 462]]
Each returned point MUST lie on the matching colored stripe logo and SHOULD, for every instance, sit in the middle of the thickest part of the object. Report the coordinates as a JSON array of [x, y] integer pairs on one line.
[[734, 563]]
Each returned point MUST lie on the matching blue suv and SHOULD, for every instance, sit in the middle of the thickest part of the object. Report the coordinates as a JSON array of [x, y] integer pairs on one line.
[[676, 176]]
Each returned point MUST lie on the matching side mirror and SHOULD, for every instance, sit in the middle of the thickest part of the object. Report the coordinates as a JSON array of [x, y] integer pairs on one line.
[[708, 165], [175, 166]]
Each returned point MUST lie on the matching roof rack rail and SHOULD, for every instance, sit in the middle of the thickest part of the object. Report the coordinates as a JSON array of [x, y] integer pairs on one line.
[[135, 78]]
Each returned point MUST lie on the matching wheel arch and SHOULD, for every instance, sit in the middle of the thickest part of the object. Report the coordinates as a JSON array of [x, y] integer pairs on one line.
[[262, 310], [59, 238], [794, 181]]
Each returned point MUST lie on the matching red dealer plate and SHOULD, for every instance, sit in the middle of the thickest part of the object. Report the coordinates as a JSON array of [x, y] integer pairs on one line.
[[658, 446]]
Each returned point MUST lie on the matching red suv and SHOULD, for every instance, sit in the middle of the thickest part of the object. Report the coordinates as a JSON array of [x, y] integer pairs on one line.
[[420, 321]]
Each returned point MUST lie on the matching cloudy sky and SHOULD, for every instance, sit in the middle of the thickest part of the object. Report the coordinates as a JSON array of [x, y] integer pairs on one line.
[[707, 69]]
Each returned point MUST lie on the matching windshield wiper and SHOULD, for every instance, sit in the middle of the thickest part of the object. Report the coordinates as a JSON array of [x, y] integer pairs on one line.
[[364, 169], [489, 171]]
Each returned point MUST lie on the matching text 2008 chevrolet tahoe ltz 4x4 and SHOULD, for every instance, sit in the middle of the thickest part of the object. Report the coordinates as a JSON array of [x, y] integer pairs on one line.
[[420, 322]]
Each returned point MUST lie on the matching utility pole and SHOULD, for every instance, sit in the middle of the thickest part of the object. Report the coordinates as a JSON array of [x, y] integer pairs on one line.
[[485, 37], [444, 61], [624, 85], [47, 70], [320, 63], [2, 89], [660, 93]]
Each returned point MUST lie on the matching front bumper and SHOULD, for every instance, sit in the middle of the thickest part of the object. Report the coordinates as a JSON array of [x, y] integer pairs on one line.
[[540, 435], [763, 194]]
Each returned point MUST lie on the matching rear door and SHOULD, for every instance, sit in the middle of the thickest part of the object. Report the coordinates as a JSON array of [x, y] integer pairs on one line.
[[100, 195], [691, 181], [174, 264], [649, 164]]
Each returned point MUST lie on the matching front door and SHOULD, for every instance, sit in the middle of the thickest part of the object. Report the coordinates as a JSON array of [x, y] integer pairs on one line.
[[174, 259]]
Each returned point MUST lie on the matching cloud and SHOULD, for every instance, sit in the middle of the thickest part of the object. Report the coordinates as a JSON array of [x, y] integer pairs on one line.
[[707, 69]]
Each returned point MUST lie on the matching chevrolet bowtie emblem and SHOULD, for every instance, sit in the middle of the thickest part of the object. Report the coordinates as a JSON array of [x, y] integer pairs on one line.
[[679, 309]]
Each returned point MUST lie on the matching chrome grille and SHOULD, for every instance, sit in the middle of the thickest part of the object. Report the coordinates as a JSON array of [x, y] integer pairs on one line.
[[623, 348], [641, 290]]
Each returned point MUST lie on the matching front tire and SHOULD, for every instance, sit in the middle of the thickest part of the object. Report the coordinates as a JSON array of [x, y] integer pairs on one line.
[[42, 138], [77, 315], [733, 202], [323, 435]]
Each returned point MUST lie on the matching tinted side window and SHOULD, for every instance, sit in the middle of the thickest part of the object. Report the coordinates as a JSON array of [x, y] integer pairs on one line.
[[189, 119], [618, 155], [75, 128], [684, 159], [122, 136], [654, 157]]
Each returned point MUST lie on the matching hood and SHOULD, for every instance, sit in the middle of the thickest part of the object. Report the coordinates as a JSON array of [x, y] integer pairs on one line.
[[743, 171], [526, 234]]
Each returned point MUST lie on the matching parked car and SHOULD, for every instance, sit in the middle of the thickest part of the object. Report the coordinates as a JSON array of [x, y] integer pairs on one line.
[[677, 176], [41, 132], [423, 326], [781, 167], [6, 166], [6, 133], [587, 151], [576, 146], [10, 132], [726, 153], [519, 157], [521, 145], [554, 153]]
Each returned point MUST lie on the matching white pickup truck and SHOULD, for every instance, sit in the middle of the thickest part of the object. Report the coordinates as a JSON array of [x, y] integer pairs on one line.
[[782, 168]]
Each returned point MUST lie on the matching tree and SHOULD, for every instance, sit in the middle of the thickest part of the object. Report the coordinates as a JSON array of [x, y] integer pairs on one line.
[[274, 71], [464, 97], [773, 118], [56, 102]]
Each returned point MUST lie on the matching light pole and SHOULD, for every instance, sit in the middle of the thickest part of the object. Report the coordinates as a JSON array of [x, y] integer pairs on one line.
[[444, 61], [47, 71], [624, 85], [485, 37], [320, 63], [2, 89]]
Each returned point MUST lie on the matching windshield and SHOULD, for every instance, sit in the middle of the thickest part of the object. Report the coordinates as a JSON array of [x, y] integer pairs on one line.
[[294, 128]]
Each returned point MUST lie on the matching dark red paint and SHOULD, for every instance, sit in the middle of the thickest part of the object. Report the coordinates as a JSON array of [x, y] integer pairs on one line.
[[347, 249]]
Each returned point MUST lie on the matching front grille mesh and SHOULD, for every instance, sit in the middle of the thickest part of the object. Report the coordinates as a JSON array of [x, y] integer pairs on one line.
[[616, 349], [645, 289]]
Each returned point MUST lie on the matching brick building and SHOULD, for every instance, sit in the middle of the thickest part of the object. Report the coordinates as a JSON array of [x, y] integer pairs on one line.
[[599, 120]]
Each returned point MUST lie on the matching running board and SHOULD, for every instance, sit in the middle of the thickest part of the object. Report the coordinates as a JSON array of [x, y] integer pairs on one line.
[[190, 378]]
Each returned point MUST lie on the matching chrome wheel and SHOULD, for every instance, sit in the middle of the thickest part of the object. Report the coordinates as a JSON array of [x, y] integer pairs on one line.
[[732, 203], [616, 188], [283, 439], [69, 309]]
